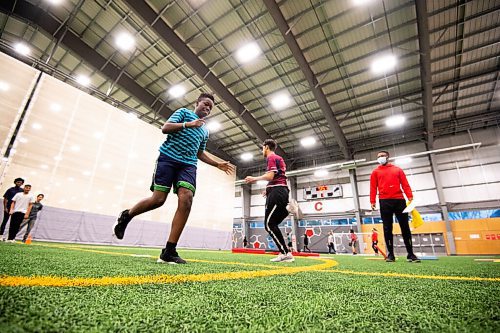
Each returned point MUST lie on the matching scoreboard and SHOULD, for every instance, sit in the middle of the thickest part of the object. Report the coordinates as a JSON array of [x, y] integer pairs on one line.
[[323, 192]]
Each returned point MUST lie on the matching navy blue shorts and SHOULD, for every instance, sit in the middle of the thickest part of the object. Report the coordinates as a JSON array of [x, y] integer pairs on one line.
[[169, 172]]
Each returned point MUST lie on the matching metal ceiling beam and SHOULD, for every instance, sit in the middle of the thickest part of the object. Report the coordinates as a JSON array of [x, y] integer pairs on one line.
[[150, 17], [425, 69], [323, 103], [36, 15]]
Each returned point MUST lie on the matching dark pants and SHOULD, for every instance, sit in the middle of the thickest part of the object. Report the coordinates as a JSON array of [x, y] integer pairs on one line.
[[388, 208], [276, 201], [331, 248], [4, 221], [374, 246], [15, 224], [30, 223]]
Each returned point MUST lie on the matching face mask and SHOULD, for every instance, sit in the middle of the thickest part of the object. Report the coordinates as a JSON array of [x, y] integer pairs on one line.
[[382, 160]]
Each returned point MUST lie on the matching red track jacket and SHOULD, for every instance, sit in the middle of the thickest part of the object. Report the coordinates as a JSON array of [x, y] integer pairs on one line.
[[389, 179]]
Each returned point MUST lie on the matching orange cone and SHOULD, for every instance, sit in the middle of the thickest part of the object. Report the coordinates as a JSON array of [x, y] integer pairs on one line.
[[28, 240]]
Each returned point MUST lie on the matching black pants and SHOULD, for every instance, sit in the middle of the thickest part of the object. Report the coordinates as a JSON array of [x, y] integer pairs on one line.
[[374, 246], [4, 221], [276, 201], [306, 247], [388, 208], [331, 248], [15, 224]]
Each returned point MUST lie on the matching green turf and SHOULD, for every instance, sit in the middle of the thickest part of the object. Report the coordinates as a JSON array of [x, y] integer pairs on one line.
[[304, 302]]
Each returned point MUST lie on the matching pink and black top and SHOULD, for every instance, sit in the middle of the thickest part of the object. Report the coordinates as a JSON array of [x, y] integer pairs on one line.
[[276, 164]]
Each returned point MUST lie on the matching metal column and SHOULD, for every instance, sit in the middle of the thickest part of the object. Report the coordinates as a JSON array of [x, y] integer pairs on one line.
[[293, 194], [354, 185], [246, 193], [442, 204]]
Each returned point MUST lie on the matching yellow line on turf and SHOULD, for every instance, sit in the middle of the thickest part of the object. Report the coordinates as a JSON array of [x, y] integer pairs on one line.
[[55, 281], [412, 276], [85, 249]]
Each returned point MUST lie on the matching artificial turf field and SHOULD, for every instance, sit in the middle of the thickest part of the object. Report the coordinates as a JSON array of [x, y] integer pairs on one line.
[[48, 287]]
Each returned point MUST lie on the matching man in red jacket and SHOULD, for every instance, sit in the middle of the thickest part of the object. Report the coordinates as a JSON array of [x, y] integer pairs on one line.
[[389, 179]]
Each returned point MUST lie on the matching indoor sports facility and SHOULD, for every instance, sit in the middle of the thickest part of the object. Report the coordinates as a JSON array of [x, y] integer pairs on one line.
[[347, 175]]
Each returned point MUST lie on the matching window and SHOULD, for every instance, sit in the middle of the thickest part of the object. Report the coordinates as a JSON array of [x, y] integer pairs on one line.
[[474, 214]]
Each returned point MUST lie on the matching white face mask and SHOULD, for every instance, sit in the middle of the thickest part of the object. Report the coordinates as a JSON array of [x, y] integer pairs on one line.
[[382, 160]]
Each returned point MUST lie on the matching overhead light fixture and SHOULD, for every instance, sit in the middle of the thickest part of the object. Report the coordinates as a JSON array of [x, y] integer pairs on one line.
[[248, 52], [125, 41], [75, 148], [246, 156], [86, 173], [177, 91], [280, 101], [384, 64], [36, 126], [55, 107], [403, 160], [213, 126], [106, 165], [83, 80], [58, 158], [98, 135], [395, 121], [22, 49], [320, 173], [71, 179], [308, 141], [4, 86], [361, 2], [23, 140], [44, 166], [54, 2]]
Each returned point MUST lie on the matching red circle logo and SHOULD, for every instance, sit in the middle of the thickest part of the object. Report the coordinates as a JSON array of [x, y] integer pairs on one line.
[[318, 206]]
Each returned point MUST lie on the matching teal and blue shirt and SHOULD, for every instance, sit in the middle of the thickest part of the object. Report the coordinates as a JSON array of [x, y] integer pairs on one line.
[[184, 145]]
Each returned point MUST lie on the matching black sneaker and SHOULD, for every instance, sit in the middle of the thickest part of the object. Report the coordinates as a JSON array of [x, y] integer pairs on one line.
[[412, 258], [121, 224], [170, 258], [390, 258]]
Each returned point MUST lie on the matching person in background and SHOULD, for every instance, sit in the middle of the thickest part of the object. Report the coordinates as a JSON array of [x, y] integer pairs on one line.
[[7, 202], [19, 210], [353, 242], [289, 240], [388, 179], [375, 241], [306, 244], [30, 222], [331, 244], [245, 241]]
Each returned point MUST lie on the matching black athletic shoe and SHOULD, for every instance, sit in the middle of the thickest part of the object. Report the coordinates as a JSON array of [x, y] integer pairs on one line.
[[412, 258], [390, 258], [170, 258], [121, 224]]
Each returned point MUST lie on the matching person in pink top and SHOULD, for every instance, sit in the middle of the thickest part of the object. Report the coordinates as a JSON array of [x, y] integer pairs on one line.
[[353, 242], [390, 182]]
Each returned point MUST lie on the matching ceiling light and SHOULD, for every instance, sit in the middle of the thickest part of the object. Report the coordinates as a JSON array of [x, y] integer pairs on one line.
[[394, 121], [44, 166], [83, 80], [4, 86], [36, 126], [106, 165], [361, 2], [71, 179], [55, 107], [177, 91], [86, 173], [213, 126], [280, 101], [320, 173], [246, 156], [22, 48], [54, 2], [248, 52], [23, 140], [125, 41], [58, 158], [403, 160], [75, 148], [383, 64], [308, 141], [98, 135]]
